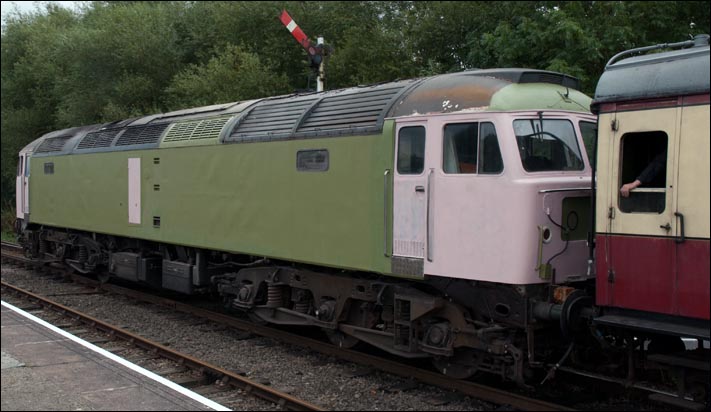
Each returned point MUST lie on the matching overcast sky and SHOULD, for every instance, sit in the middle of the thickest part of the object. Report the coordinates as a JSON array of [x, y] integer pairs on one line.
[[26, 6]]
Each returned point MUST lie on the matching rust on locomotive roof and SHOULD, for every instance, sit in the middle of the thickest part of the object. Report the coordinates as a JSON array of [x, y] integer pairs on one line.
[[447, 93]]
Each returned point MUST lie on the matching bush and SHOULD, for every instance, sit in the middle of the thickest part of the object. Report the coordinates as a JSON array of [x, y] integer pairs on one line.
[[7, 220]]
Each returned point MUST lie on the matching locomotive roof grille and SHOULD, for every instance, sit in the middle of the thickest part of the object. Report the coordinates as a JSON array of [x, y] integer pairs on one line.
[[102, 138], [196, 129], [346, 112], [269, 119], [53, 144], [141, 134]]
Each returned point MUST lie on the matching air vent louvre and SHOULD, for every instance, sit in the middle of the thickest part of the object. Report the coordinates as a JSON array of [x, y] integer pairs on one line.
[[349, 111], [199, 129], [53, 144], [102, 138], [141, 134], [272, 118]]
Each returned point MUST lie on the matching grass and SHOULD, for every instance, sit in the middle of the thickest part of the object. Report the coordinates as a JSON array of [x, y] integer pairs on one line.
[[7, 220], [8, 237]]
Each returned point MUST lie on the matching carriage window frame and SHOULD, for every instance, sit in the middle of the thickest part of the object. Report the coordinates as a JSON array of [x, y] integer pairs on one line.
[[637, 150], [406, 156]]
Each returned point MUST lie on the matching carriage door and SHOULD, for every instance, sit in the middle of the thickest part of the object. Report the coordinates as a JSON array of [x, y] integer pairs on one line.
[[642, 225], [409, 200], [691, 213]]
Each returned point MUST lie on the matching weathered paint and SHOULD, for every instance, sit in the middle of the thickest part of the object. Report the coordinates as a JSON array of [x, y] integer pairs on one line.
[[242, 198], [653, 274], [529, 96]]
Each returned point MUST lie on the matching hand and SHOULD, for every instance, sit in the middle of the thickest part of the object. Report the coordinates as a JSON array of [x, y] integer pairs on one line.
[[625, 189]]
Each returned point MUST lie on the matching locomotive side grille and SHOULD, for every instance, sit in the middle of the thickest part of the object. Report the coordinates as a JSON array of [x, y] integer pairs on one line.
[[199, 129], [271, 119], [102, 138], [141, 134], [53, 144], [349, 111]]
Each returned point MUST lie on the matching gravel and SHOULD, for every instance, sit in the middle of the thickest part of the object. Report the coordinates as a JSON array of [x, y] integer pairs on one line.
[[322, 380]]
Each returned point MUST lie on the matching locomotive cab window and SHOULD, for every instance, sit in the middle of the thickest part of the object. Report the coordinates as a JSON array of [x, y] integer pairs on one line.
[[547, 145], [589, 132], [411, 150], [643, 159], [471, 148]]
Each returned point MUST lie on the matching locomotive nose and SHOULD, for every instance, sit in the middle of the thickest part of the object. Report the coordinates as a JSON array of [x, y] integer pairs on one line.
[[562, 233]]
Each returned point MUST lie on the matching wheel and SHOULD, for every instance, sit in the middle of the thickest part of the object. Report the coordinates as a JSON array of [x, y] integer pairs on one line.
[[103, 277], [463, 365], [256, 319], [340, 339]]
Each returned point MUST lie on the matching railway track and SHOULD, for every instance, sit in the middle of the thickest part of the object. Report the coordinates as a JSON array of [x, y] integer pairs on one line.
[[475, 390], [201, 381]]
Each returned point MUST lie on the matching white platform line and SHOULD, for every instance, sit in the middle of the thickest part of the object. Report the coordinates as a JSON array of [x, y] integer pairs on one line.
[[190, 394]]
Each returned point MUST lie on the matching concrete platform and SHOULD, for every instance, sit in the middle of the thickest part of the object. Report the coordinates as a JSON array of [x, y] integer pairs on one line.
[[43, 369]]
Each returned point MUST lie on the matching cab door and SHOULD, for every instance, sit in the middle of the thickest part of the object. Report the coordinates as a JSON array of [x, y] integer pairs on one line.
[[410, 200], [22, 192]]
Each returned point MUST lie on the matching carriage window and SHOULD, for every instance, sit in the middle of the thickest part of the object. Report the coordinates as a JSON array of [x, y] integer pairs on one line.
[[643, 158], [27, 166], [589, 132], [19, 167], [49, 168], [411, 150], [550, 146]]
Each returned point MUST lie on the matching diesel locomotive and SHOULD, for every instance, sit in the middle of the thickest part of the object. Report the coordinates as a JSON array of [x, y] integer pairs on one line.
[[451, 217], [427, 217]]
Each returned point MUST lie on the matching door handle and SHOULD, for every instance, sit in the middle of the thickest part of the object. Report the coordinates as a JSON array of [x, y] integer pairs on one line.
[[428, 231], [420, 189], [682, 239], [666, 227]]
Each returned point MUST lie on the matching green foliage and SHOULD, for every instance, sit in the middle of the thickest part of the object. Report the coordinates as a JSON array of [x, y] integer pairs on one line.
[[241, 75], [116, 60], [7, 222]]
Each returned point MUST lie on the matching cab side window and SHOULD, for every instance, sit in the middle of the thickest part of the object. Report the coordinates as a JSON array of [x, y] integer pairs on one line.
[[471, 148], [643, 157], [411, 150]]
